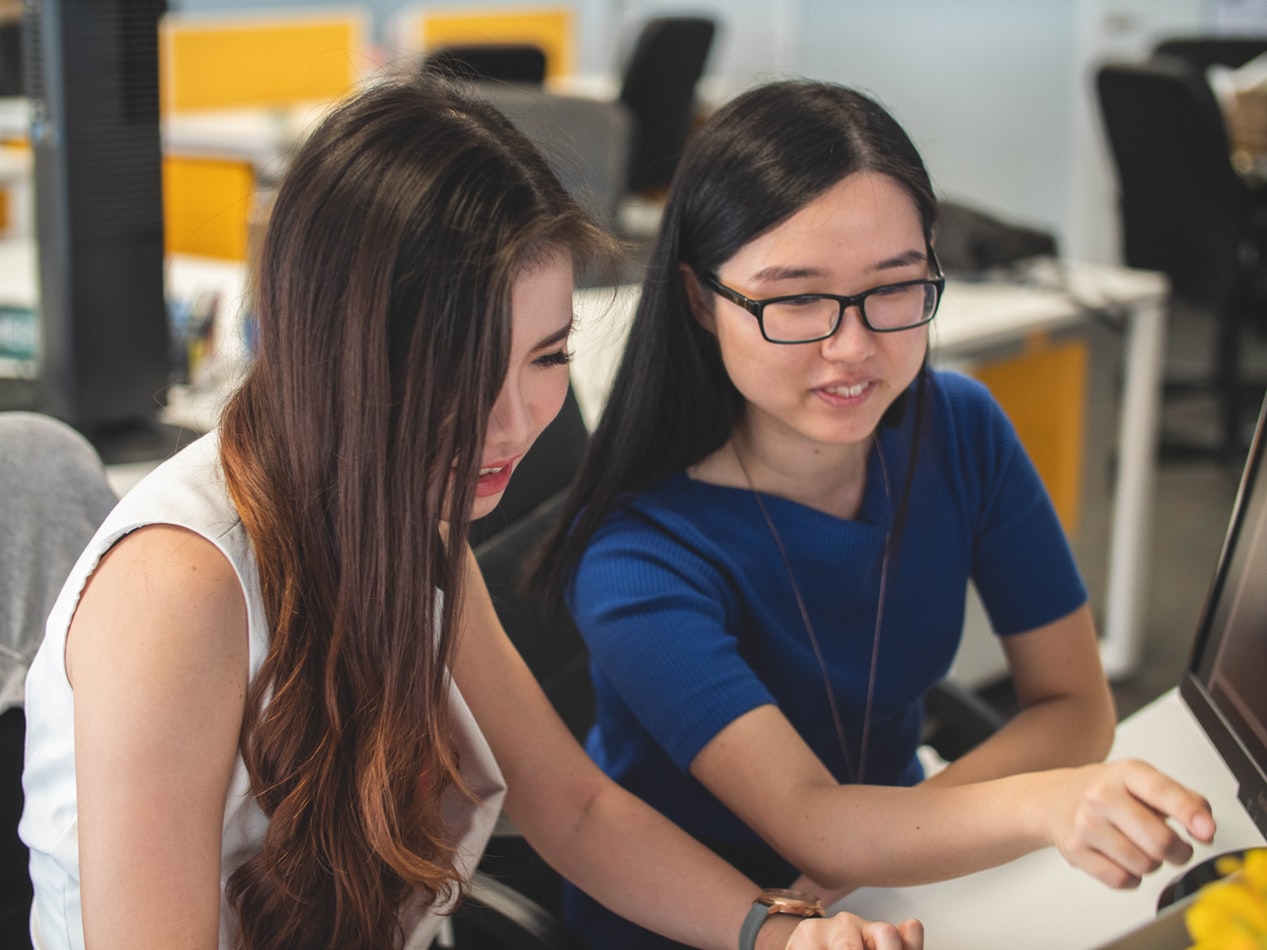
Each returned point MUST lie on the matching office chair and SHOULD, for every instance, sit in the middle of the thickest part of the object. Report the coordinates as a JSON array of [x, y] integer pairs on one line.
[[516, 897], [1184, 211], [53, 495], [521, 63], [585, 140], [1202, 52], [658, 88], [12, 82]]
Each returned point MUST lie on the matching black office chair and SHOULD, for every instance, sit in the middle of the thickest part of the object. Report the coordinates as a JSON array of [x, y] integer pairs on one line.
[[516, 897], [515, 901], [1202, 52], [519, 63], [658, 88], [1184, 211]]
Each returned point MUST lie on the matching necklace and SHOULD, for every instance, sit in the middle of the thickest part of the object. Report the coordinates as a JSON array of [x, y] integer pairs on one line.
[[859, 773]]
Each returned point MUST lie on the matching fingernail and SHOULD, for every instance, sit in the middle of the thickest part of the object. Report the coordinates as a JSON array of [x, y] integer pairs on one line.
[[1203, 827]]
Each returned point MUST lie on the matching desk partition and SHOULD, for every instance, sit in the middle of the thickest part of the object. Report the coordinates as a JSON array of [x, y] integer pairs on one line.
[[219, 62]]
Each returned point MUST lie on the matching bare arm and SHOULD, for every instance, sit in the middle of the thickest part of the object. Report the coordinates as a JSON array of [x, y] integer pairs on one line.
[[1107, 819], [593, 832], [1066, 710], [157, 658]]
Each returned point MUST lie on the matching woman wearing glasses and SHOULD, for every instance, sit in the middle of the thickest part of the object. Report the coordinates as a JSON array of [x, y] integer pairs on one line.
[[768, 547]]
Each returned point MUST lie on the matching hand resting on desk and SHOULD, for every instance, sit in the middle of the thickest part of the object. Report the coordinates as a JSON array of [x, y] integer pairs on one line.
[[1112, 820]]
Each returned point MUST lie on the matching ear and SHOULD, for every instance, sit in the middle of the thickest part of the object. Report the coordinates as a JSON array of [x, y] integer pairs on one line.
[[698, 299]]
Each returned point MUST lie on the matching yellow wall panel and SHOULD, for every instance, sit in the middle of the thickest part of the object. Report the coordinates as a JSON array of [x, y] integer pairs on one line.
[[227, 63], [1043, 391], [549, 28], [206, 206]]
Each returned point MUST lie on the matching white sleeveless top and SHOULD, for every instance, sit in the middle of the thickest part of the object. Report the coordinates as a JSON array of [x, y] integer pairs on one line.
[[188, 490]]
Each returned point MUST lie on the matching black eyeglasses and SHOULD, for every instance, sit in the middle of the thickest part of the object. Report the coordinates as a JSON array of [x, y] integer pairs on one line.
[[808, 318]]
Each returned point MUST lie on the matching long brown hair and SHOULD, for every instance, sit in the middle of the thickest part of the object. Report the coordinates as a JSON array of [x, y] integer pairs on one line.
[[383, 312]]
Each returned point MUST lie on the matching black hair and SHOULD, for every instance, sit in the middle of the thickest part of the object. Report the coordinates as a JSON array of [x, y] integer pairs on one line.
[[756, 162]]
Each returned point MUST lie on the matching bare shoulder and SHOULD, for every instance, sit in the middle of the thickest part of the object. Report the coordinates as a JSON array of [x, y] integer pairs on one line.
[[162, 594]]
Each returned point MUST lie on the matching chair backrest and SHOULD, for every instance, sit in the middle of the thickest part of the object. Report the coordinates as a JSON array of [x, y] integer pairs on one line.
[[497, 62], [547, 640], [1202, 52], [53, 495], [1181, 203], [586, 141], [549, 27], [658, 88]]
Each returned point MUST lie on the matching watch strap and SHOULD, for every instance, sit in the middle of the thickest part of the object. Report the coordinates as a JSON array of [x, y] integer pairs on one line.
[[757, 915]]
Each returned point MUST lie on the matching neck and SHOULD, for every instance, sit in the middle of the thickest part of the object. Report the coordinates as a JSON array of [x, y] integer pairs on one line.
[[829, 478]]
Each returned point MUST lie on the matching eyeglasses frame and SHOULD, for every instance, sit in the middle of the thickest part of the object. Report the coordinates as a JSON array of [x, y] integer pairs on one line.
[[757, 307]]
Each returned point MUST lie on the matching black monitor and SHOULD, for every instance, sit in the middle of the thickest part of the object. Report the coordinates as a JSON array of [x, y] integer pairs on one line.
[[1225, 684]]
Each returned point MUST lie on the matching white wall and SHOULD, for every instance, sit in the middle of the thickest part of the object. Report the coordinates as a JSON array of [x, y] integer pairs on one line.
[[998, 94]]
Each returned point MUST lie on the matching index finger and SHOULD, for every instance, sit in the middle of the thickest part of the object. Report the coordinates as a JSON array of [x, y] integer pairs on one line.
[[1171, 799]]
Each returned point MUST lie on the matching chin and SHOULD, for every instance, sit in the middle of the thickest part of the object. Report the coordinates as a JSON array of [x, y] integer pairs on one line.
[[485, 506]]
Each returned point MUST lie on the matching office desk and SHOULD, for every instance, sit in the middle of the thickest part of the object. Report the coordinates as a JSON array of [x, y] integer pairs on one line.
[[982, 320], [261, 136], [1041, 903]]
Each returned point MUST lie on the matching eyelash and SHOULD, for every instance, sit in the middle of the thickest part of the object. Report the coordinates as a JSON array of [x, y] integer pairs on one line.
[[557, 358]]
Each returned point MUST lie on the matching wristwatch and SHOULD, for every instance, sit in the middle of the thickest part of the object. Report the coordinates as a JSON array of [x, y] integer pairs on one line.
[[776, 900]]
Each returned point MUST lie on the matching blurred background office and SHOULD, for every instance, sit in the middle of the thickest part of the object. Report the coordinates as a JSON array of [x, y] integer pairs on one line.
[[1067, 137], [1001, 97]]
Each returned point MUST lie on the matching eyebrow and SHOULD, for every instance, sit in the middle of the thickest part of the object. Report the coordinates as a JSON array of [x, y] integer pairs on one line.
[[777, 272], [558, 336]]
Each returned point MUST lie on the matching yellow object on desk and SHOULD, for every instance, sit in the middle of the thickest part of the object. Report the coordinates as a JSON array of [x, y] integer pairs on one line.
[[1231, 914]]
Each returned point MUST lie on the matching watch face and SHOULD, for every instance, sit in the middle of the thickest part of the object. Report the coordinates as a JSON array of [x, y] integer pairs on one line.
[[783, 901]]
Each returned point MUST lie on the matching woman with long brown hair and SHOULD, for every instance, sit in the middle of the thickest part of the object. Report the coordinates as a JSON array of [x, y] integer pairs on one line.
[[274, 708]]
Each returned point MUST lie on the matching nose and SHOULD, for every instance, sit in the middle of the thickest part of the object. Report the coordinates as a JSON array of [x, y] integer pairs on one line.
[[852, 341], [511, 421]]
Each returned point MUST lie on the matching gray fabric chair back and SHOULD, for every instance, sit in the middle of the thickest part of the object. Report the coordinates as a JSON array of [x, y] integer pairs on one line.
[[585, 140]]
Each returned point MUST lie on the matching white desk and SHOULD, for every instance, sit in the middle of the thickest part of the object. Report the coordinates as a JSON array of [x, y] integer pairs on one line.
[[1041, 903], [977, 320], [261, 136]]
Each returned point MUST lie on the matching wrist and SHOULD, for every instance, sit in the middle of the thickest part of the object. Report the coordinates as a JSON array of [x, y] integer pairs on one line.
[[1033, 799], [777, 931], [773, 916]]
